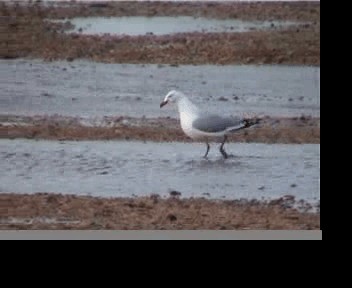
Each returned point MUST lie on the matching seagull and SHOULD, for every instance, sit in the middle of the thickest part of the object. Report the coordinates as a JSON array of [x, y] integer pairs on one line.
[[205, 127]]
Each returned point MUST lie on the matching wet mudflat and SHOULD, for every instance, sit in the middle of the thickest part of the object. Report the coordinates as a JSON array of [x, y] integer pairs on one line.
[[136, 185]]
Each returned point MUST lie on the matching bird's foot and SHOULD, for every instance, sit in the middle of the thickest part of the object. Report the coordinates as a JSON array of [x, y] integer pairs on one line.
[[224, 154]]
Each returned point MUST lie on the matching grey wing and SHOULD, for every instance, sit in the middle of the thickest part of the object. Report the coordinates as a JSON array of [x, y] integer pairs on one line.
[[214, 123]]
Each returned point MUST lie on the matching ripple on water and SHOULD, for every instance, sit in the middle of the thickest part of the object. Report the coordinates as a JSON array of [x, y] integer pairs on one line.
[[23, 99], [120, 169]]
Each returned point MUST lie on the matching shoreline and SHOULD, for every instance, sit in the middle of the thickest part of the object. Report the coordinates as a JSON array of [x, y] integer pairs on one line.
[[298, 130], [62, 212]]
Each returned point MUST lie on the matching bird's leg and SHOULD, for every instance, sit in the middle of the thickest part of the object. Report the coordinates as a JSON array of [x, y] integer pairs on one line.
[[222, 147], [208, 148]]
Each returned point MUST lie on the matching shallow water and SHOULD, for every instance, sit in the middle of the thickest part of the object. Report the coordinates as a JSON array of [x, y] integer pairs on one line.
[[140, 25], [87, 89], [126, 169]]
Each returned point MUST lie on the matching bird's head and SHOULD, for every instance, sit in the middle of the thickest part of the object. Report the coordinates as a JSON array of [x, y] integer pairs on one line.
[[172, 97]]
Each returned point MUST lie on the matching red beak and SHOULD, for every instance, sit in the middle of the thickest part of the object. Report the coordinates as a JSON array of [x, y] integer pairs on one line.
[[162, 104]]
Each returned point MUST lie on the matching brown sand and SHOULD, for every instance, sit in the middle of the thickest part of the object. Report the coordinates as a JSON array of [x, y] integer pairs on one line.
[[25, 33], [49, 211], [269, 130], [302, 11]]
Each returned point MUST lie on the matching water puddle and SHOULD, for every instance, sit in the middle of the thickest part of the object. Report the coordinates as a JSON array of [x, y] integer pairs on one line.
[[139, 25], [127, 169]]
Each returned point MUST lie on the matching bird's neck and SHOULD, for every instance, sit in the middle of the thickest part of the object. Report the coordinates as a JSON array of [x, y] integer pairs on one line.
[[185, 106]]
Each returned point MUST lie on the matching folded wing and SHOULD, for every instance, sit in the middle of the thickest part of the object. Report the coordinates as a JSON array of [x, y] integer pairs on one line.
[[215, 124]]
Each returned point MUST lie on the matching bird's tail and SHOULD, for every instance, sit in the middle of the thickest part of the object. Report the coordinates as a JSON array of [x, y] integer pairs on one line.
[[245, 123], [248, 122]]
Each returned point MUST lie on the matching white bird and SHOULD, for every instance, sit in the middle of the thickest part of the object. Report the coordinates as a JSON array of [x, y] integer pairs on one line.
[[205, 127]]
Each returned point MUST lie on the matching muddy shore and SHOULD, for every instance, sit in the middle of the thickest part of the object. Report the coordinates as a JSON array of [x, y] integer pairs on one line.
[[269, 130], [24, 32], [50, 211]]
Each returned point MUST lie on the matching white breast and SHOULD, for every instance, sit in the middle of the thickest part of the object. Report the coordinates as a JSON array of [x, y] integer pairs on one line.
[[186, 124], [188, 113]]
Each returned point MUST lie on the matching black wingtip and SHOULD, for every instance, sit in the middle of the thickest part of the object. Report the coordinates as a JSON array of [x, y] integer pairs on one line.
[[251, 122]]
